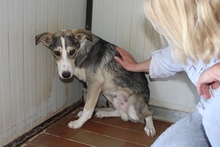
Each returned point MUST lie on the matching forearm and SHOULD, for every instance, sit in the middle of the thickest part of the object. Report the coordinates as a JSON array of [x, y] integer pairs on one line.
[[142, 66], [215, 71]]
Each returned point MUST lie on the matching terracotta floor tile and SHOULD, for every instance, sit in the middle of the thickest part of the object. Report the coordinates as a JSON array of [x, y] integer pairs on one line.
[[117, 122], [128, 144], [161, 123], [131, 136], [61, 130], [65, 120], [29, 145], [97, 140], [140, 128], [166, 124], [160, 130], [45, 140], [95, 127]]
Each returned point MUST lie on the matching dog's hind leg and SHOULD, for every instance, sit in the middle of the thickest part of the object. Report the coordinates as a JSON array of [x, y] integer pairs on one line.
[[94, 90], [106, 113], [149, 128], [144, 113], [132, 113]]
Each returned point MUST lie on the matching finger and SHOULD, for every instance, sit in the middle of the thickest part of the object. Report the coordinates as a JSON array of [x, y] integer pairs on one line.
[[205, 91], [207, 95], [199, 89], [126, 56], [122, 51], [119, 61], [118, 49], [215, 85]]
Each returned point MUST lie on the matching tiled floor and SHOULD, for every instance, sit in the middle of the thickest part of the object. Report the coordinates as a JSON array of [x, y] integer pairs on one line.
[[106, 132]]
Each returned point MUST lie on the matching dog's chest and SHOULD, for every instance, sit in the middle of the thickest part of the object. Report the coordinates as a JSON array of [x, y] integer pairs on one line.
[[80, 73]]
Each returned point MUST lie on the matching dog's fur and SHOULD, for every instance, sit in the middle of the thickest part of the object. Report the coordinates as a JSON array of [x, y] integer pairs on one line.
[[91, 59]]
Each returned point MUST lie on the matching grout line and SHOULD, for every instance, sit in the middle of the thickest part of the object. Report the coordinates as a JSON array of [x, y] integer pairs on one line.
[[134, 130], [105, 135]]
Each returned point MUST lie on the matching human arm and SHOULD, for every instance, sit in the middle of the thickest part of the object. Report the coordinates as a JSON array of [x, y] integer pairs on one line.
[[129, 63], [160, 65], [210, 77]]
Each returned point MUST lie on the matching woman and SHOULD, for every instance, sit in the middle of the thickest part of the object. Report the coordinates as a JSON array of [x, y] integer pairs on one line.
[[192, 28]]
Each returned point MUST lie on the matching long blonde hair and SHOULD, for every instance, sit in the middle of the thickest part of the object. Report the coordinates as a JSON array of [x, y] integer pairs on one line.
[[191, 27]]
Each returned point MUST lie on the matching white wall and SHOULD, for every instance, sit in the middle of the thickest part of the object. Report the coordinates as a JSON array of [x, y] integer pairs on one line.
[[122, 22], [30, 90]]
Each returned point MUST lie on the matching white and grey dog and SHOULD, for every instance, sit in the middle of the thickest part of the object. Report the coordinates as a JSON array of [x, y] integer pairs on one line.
[[84, 55]]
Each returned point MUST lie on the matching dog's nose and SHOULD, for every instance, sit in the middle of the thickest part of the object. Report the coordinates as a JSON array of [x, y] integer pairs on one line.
[[66, 74]]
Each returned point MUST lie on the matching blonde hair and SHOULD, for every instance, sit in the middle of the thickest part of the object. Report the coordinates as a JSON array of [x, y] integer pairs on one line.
[[191, 27]]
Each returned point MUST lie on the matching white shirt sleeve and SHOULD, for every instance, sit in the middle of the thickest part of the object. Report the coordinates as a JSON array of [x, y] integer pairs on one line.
[[162, 65]]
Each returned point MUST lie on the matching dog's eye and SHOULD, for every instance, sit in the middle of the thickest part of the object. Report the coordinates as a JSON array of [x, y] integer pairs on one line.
[[57, 53], [72, 52]]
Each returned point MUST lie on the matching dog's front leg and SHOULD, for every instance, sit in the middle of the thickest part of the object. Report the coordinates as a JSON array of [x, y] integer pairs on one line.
[[93, 91]]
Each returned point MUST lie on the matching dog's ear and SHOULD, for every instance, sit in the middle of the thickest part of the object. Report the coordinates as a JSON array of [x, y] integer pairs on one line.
[[45, 38], [81, 37]]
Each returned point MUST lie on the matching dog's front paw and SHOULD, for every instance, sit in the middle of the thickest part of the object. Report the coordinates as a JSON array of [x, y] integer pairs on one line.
[[75, 124], [150, 131]]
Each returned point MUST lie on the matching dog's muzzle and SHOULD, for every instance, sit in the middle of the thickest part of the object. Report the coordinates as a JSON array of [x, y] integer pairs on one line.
[[66, 74]]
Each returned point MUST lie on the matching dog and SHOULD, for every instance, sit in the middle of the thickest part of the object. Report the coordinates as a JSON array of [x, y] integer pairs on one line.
[[82, 54]]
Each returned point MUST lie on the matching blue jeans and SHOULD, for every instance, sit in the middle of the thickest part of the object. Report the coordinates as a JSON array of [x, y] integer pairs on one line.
[[188, 132]]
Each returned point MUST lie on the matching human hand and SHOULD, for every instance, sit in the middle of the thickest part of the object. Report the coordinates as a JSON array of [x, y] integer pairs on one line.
[[127, 61], [208, 78]]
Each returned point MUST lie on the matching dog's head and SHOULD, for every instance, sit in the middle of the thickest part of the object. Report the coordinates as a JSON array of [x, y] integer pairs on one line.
[[64, 46]]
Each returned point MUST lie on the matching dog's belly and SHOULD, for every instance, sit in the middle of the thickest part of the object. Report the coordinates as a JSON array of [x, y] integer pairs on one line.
[[119, 99]]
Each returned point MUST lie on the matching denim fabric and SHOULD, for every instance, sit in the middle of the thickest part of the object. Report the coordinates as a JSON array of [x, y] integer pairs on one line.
[[188, 132]]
